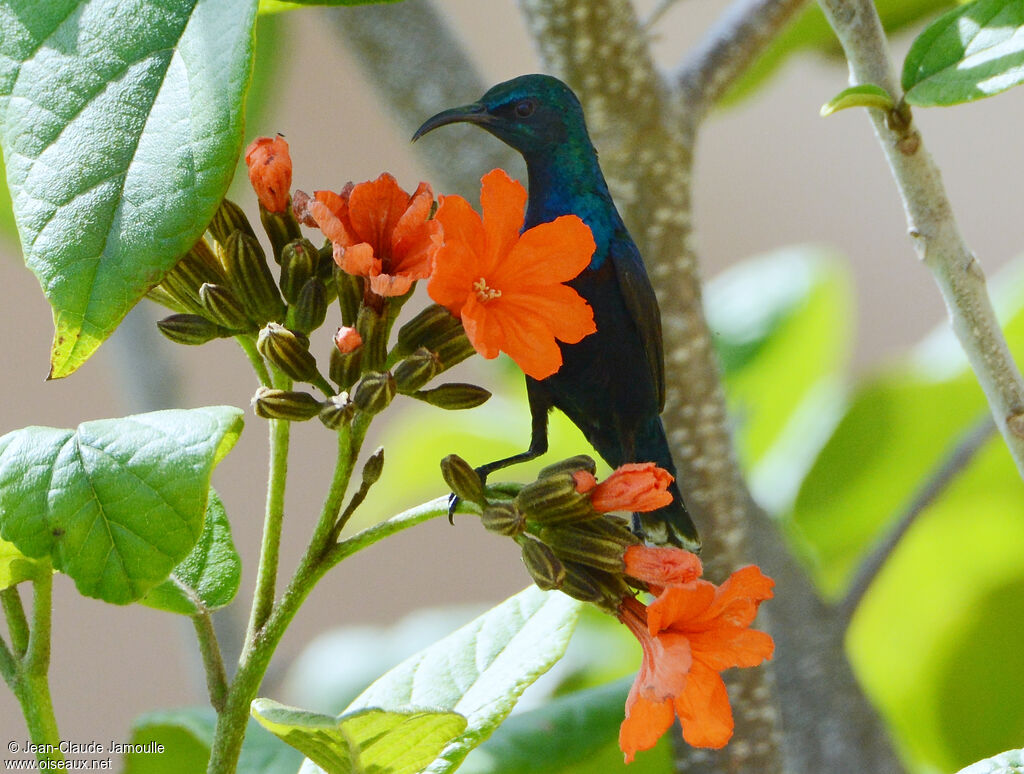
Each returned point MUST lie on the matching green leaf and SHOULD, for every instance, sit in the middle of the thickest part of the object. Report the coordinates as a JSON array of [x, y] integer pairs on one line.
[[277, 6], [971, 52], [117, 503], [7, 228], [480, 670], [187, 735], [1011, 762], [120, 124], [368, 740], [866, 95], [15, 567], [783, 328], [208, 577]]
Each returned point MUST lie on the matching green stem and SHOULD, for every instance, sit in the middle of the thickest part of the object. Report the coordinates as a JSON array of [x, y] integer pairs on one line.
[[213, 662], [17, 624], [263, 640], [402, 521], [259, 365]]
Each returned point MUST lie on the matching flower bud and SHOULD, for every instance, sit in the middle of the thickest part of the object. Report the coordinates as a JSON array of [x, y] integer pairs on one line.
[[251, 279], [190, 329], [554, 500], [606, 590], [299, 260], [347, 339], [287, 351], [374, 467], [345, 367], [416, 370], [350, 294], [373, 327], [310, 309], [182, 283], [285, 404], [454, 396], [570, 465], [229, 217], [544, 567], [374, 392], [429, 329], [463, 479], [503, 519], [337, 411], [594, 547], [270, 171], [281, 228], [222, 306], [454, 349]]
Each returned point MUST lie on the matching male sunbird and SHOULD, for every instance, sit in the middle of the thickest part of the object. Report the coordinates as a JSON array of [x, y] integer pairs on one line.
[[612, 383]]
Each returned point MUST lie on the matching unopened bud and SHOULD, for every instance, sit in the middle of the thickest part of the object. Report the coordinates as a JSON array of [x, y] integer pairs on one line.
[[374, 392], [454, 397], [416, 370], [503, 519], [281, 228], [337, 411], [287, 351], [373, 326], [299, 260], [222, 306], [463, 479], [350, 294], [345, 367], [554, 500], [285, 404], [347, 339], [544, 567], [587, 584], [570, 465], [454, 349], [198, 266], [310, 308], [251, 279], [598, 548], [229, 217], [374, 467], [190, 329], [429, 329]]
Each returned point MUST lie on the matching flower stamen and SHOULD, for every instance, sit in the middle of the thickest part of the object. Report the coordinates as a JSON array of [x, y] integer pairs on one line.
[[485, 293]]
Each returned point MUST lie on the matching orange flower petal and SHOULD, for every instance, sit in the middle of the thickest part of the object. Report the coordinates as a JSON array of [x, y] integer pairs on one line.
[[633, 487], [483, 329], [645, 723], [503, 203], [374, 208], [678, 606], [662, 565], [329, 223], [551, 252], [357, 259], [567, 315], [731, 646], [703, 709], [347, 340], [390, 284], [528, 341], [584, 481], [270, 171], [461, 224], [737, 599], [451, 282]]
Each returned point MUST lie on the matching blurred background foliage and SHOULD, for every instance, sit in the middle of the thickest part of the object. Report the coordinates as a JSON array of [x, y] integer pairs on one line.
[[836, 459]]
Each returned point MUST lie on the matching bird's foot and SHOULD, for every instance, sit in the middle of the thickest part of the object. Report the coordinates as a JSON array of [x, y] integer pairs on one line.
[[453, 503]]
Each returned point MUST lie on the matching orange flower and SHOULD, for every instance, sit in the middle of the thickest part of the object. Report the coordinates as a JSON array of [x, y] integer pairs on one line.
[[379, 231], [690, 633], [635, 486], [508, 288], [347, 340], [270, 171]]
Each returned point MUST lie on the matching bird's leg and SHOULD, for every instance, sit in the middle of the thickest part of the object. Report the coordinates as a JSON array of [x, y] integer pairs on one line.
[[539, 407]]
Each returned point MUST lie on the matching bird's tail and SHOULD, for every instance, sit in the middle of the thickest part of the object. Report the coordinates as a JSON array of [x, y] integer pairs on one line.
[[672, 524]]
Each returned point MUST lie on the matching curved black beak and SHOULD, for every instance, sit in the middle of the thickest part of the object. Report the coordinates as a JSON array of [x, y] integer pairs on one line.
[[473, 114]]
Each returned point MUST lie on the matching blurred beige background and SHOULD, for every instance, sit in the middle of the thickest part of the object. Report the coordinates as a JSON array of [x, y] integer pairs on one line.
[[770, 173]]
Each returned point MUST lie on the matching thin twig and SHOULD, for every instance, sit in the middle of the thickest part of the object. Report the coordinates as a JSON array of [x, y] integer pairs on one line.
[[732, 44], [931, 223], [954, 463], [655, 16], [213, 662], [17, 623]]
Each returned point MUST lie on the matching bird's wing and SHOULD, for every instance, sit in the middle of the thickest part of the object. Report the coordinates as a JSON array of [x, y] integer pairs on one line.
[[642, 305]]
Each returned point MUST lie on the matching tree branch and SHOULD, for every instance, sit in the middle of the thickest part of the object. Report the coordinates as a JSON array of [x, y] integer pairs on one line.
[[932, 225], [959, 457]]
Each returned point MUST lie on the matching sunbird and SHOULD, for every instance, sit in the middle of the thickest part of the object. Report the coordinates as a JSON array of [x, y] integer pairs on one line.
[[612, 383]]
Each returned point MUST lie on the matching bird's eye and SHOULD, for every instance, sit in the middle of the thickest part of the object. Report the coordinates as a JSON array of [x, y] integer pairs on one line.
[[525, 108]]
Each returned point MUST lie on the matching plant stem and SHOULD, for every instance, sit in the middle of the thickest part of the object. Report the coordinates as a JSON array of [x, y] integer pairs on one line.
[[213, 661], [259, 365], [17, 624], [931, 223], [263, 639]]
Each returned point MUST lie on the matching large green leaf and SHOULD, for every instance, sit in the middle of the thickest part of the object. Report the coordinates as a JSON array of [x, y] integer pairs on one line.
[[208, 577], [120, 124], [186, 736], [7, 228], [480, 670], [1011, 762], [973, 51], [117, 503], [276, 6], [367, 740], [15, 567]]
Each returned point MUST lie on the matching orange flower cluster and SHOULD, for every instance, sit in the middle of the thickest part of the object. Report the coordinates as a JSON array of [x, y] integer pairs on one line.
[[507, 287]]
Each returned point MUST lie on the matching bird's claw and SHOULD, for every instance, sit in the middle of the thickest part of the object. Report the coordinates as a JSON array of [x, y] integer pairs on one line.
[[453, 503]]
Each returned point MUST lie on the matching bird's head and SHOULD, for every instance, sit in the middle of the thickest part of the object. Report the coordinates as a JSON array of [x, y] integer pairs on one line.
[[532, 113]]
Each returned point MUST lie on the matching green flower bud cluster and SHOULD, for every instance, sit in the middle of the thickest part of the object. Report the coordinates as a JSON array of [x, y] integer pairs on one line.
[[565, 544]]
